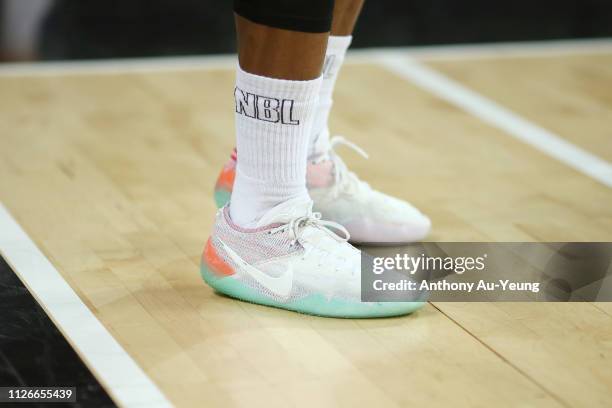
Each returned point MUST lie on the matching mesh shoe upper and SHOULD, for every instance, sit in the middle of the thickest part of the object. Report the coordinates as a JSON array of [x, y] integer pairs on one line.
[[320, 260]]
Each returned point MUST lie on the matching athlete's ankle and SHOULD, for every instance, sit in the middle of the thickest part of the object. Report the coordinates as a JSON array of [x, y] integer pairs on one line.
[[252, 200]]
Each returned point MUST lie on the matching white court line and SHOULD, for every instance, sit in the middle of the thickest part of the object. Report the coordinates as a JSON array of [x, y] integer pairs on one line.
[[498, 116], [526, 49], [119, 66], [122, 378], [367, 55]]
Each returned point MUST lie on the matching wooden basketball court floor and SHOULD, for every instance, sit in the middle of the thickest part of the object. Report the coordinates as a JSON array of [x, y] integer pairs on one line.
[[109, 168]]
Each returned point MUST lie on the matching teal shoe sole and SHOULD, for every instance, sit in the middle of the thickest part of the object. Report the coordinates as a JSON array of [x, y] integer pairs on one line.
[[222, 197], [316, 305]]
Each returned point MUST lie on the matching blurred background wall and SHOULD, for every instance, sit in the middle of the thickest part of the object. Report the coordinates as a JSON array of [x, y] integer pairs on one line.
[[89, 29]]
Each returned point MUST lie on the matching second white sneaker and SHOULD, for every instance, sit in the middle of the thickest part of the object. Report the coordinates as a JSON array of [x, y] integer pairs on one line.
[[371, 217]]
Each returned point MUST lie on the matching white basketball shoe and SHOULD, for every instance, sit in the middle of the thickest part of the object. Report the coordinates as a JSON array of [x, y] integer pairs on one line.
[[339, 195], [292, 260]]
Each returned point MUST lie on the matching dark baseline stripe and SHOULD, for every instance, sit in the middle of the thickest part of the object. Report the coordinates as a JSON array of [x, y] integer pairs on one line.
[[33, 352]]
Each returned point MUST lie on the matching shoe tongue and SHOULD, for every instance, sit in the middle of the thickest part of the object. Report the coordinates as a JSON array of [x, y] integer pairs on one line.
[[286, 211]]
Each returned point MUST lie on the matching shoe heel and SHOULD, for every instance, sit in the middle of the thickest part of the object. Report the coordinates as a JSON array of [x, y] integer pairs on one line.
[[207, 274], [225, 182], [222, 197], [212, 266]]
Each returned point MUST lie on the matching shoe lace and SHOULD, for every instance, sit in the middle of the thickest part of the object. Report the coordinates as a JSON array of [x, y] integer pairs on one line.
[[297, 225], [345, 180]]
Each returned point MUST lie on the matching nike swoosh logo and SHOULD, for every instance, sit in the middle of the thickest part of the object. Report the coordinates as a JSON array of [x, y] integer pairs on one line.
[[280, 286]]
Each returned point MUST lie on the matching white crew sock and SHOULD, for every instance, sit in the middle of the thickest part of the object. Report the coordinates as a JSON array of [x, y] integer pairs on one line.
[[334, 56], [273, 125]]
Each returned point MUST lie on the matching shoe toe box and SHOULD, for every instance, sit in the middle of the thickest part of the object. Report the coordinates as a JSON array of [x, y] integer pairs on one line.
[[388, 220]]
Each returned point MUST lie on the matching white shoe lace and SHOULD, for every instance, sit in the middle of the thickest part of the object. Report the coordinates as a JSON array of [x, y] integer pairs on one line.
[[296, 227], [345, 180]]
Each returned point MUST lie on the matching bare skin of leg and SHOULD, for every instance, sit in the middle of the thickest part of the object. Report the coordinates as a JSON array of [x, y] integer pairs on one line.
[[346, 13], [285, 54], [277, 53]]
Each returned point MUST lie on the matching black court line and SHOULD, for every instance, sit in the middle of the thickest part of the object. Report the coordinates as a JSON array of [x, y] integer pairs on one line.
[[33, 352]]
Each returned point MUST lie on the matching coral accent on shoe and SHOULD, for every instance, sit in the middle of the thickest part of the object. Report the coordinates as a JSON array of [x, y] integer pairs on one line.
[[215, 262], [226, 178]]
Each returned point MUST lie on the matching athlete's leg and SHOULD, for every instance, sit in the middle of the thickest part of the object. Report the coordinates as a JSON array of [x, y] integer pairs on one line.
[[269, 247], [278, 53], [345, 16], [339, 195], [277, 87], [370, 216]]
